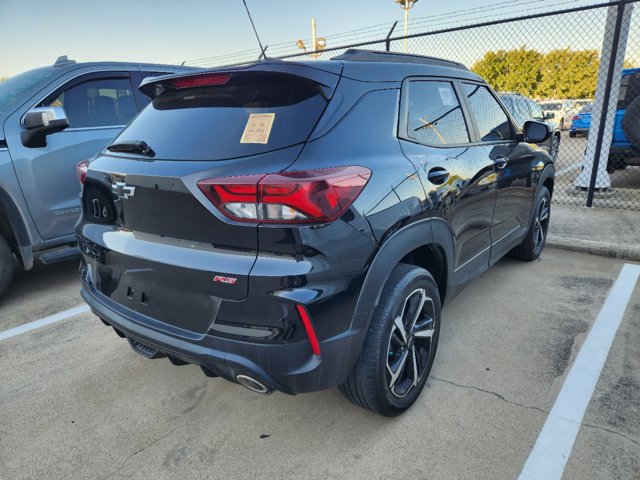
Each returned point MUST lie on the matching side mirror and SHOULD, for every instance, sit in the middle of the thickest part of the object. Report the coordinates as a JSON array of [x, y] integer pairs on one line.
[[536, 132], [549, 115], [40, 122]]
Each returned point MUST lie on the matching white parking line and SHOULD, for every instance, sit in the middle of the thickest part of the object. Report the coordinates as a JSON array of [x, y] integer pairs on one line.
[[555, 442], [56, 317]]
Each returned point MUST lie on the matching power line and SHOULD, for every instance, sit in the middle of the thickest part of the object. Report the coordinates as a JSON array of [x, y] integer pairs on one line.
[[377, 32]]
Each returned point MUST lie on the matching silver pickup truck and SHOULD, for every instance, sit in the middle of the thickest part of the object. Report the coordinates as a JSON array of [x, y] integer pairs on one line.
[[51, 119]]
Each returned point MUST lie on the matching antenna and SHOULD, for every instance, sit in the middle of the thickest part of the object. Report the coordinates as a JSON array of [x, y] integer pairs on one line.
[[254, 29]]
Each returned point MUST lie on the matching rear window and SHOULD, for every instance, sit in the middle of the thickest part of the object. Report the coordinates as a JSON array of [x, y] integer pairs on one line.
[[551, 106], [629, 89], [252, 113], [588, 108]]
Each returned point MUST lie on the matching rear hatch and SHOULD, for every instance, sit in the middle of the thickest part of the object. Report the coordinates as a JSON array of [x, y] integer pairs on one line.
[[160, 246]]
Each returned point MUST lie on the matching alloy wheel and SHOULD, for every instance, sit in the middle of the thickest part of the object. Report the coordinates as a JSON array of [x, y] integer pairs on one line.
[[541, 223], [410, 343]]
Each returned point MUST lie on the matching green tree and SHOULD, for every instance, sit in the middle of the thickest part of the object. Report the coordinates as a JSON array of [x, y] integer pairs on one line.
[[515, 70], [569, 74], [561, 73]]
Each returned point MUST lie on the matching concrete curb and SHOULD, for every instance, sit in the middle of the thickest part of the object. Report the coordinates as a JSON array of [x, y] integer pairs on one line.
[[623, 252]]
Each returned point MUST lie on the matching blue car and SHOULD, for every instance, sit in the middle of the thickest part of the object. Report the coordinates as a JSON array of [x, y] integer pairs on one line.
[[581, 122], [625, 145]]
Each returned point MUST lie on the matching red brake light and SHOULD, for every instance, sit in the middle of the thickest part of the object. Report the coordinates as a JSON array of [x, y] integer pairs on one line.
[[81, 171], [577, 117], [200, 80], [308, 326], [311, 196]]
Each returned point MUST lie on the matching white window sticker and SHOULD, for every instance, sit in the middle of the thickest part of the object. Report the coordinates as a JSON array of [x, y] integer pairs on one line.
[[258, 128], [446, 95]]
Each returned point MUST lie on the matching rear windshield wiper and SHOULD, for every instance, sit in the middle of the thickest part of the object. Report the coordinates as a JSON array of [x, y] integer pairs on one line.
[[135, 146]]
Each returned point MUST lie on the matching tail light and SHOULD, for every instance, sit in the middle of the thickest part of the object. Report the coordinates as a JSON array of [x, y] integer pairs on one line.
[[81, 171], [310, 196], [200, 80], [577, 117]]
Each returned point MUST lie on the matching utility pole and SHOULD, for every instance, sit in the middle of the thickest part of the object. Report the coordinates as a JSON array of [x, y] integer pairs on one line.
[[317, 44], [406, 5]]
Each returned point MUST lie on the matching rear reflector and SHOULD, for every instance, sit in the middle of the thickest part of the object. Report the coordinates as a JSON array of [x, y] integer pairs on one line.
[[308, 326], [311, 196], [81, 170], [200, 80]]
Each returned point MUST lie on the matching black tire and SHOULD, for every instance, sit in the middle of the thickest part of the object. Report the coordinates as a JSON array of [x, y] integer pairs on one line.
[[533, 243], [7, 265], [616, 162], [631, 120], [572, 134], [371, 384]]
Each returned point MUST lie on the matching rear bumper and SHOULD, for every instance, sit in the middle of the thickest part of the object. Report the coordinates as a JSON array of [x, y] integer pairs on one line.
[[287, 367]]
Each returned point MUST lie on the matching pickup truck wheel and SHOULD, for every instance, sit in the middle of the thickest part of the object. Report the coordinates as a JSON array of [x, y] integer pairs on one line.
[[533, 243], [7, 265], [400, 345]]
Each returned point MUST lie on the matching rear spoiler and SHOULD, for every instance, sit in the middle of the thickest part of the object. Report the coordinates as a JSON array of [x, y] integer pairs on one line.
[[326, 74]]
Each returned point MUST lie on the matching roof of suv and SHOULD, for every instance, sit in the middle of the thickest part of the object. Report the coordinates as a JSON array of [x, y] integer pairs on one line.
[[363, 65], [378, 66]]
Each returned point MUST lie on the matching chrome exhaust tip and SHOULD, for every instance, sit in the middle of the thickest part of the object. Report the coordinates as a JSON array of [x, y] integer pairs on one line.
[[253, 384]]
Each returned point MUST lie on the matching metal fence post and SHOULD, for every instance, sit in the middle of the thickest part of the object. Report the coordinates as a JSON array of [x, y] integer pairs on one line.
[[594, 174], [387, 41]]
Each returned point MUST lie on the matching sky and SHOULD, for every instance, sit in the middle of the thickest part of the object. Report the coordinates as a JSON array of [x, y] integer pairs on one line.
[[35, 32]]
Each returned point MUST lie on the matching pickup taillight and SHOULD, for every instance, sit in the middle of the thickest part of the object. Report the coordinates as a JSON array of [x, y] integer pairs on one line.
[[81, 170]]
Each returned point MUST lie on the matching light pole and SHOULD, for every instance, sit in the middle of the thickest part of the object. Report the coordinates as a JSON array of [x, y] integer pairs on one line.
[[317, 43], [405, 5]]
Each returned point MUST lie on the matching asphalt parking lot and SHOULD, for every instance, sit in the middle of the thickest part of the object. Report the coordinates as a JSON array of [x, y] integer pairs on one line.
[[77, 402]]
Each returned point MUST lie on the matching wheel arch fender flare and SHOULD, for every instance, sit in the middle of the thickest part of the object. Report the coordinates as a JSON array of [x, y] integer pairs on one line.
[[549, 172], [431, 231], [18, 229]]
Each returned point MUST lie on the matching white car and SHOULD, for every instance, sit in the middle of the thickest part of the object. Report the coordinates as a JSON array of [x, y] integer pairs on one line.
[[564, 110], [555, 107]]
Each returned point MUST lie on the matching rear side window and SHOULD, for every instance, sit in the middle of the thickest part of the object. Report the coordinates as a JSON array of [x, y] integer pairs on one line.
[[98, 103], [629, 89], [434, 114], [492, 121], [251, 113]]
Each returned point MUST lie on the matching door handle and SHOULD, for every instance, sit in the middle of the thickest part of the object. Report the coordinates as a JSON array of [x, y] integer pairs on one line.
[[438, 175], [501, 162]]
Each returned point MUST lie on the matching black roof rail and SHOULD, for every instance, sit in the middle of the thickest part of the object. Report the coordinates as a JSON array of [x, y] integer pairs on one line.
[[358, 55], [63, 60]]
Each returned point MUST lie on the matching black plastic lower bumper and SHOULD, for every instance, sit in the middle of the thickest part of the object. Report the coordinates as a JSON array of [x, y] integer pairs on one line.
[[290, 368]]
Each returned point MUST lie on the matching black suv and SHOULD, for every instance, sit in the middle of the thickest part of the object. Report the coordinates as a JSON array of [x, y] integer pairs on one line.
[[297, 226]]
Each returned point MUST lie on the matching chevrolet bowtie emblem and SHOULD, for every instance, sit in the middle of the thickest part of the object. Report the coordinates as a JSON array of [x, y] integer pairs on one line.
[[123, 190]]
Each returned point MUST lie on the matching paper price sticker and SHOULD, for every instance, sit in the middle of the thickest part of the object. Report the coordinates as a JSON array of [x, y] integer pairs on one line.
[[446, 95], [258, 128]]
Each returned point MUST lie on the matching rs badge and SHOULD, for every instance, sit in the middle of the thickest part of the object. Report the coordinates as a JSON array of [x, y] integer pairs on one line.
[[227, 280]]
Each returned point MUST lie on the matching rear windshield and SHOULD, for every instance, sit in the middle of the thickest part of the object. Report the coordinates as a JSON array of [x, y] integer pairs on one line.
[[588, 108], [252, 113]]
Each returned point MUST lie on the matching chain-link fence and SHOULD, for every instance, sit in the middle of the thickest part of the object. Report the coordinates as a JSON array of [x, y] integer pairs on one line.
[[577, 68]]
